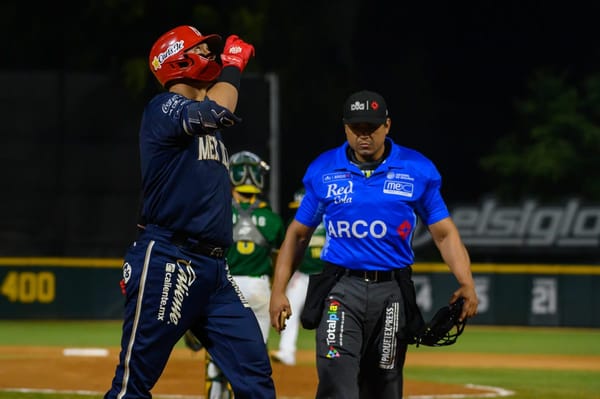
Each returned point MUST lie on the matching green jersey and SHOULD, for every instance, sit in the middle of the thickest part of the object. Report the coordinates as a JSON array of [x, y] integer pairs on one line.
[[257, 233], [312, 263]]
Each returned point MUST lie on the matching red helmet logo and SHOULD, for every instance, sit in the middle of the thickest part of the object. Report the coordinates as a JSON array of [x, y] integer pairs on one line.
[[171, 50], [170, 62]]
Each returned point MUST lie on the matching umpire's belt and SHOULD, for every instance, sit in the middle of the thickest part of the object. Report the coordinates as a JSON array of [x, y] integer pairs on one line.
[[198, 246], [373, 276]]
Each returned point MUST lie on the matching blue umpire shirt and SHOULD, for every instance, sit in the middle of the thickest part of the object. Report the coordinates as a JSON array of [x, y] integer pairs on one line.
[[370, 222]]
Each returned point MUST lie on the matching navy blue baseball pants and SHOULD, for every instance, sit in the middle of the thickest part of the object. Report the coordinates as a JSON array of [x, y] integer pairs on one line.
[[170, 290]]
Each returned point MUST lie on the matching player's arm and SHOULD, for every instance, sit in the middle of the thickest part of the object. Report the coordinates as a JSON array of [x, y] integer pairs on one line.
[[235, 57], [290, 255], [448, 241]]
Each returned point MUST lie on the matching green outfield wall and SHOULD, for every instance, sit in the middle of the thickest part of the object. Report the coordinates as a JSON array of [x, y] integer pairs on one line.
[[510, 294], [60, 288], [519, 294]]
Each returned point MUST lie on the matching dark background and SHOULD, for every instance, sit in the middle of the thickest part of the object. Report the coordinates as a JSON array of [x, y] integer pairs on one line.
[[451, 74]]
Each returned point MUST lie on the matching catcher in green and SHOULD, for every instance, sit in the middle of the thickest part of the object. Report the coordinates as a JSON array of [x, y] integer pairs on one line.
[[257, 234]]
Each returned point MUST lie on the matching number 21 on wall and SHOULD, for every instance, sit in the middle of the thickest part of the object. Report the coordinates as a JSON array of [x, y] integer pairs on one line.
[[29, 287]]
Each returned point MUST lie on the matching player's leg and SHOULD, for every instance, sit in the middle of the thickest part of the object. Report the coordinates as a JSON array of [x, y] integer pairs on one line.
[[235, 343], [142, 360], [217, 386], [257, 291], [383, 360], [296, 293], [338, 348]]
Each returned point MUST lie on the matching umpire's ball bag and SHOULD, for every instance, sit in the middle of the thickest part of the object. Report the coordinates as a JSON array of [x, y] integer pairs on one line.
[[319, 285]]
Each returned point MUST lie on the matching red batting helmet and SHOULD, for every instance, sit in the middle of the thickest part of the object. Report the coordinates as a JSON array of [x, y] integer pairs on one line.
[[170, 62]]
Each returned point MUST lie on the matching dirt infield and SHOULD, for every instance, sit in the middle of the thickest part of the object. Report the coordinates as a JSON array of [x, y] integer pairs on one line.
[[184, 374]]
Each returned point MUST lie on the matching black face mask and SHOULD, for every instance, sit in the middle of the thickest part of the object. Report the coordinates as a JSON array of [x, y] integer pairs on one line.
[[247, 174]]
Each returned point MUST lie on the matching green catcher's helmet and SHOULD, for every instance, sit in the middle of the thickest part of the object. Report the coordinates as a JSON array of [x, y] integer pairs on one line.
[[247, 172]]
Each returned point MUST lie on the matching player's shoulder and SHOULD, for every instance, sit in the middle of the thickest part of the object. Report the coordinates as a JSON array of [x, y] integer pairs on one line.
[[412, 162], [413, 154], [165, 103], [264, 209], [331, 159], [407, 154], [167, 98], [264, 205], [331, 155]]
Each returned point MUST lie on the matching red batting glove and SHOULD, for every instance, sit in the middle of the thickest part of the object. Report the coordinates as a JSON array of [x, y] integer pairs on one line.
[[236, 52]]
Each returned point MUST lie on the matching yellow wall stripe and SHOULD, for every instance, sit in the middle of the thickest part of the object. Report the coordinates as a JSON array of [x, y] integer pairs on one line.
[[421, 267], [510, 268]]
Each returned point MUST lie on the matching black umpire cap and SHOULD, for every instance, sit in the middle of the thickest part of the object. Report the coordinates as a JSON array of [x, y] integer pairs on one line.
[[365, 107]]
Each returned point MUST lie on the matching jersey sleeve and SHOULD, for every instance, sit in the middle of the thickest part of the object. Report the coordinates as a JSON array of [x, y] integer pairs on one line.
[[170, 116], [205, 117], [310, 212], [431, 207]]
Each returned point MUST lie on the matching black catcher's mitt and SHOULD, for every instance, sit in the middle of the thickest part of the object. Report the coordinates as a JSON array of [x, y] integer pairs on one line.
[[444, 328]]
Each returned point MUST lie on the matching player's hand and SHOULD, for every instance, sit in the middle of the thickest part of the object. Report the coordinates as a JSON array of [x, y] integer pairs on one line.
[[236, 52], [469, 308], [283, 316], [279, 310]]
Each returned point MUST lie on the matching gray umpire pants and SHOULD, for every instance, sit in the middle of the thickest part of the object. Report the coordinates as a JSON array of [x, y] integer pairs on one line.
[[358, 354]]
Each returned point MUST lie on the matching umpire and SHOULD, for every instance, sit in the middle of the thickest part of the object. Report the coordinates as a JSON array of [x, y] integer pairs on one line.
[[368, 192]]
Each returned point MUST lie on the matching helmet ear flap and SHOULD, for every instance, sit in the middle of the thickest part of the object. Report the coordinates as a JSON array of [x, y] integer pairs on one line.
[[202, 68], [193, 67]]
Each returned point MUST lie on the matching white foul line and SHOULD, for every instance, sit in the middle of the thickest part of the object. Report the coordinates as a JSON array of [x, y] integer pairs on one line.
[[495, 393]]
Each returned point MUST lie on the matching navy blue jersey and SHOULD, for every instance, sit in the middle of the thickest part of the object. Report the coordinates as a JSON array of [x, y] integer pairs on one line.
[[370, 221], [184, 164]]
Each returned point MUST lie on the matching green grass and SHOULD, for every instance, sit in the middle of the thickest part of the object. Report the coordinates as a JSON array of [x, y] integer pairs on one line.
[[477, 339], [306, 339], [60, 333], [526, 383], [525, 340], [90, 334]]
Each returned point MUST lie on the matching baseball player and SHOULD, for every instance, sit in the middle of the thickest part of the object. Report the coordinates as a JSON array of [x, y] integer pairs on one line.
[[368, 193], [257, 234], [296, 290], [175, 275]]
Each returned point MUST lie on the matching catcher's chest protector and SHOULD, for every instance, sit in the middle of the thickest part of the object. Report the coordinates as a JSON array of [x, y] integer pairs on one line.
[[245, 229]]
